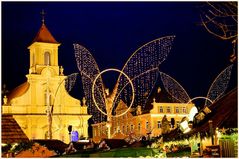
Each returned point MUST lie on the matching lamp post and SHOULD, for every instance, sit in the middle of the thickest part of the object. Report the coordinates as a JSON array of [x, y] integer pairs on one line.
[[211, 131], [70, 130]]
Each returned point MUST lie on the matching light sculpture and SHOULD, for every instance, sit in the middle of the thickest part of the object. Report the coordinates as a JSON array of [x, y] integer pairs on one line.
[[216, 90], [109, 106], [109, 100], [141, 68]]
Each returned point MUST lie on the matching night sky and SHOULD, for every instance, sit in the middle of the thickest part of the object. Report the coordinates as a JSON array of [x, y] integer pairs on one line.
[[112, 32]]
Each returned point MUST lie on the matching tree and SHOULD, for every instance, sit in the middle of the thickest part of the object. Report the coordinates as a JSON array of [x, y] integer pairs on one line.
[[220, 20]]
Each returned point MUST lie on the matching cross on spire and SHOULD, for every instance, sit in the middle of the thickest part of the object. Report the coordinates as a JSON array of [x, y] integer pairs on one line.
[[43, 13]]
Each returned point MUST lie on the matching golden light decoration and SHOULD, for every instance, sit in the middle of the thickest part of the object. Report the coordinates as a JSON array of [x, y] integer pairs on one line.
[[216, 90], [93, 92], [219, 85], [187, 125], [141, 68]]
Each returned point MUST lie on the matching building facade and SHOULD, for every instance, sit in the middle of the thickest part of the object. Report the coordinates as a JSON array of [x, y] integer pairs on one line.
[[142, 124], [44, 90]]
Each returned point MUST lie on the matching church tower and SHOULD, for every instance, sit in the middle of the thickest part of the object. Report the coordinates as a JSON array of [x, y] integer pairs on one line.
[[42, 106], [44, 52]]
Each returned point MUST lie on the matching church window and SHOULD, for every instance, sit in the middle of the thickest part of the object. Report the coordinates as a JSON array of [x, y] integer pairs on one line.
[[177, 110], [47, 58]]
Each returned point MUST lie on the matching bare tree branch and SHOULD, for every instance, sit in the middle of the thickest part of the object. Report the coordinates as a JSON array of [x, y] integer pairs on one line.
[[220, 19]]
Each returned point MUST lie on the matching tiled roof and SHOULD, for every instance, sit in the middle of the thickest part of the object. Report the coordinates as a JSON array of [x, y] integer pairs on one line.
[[44, 35], [224, 114], [11, 131]]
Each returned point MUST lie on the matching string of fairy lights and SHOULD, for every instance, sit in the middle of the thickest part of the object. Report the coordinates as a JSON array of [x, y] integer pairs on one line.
[[220, 84], [88, 71], [174, 88], [70, 81], [216, 90], [141, 68]]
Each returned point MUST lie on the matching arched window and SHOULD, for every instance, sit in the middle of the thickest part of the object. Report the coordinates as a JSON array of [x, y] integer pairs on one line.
[[47, 58]]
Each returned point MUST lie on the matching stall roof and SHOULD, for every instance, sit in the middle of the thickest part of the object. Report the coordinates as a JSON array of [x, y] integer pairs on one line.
[[224, 114]]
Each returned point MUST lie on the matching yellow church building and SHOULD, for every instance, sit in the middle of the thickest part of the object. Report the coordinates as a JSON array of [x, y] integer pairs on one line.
[[44, 91]]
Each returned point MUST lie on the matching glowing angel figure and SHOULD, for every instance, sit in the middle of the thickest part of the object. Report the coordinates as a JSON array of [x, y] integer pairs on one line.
[[141, 68], [216, 91]]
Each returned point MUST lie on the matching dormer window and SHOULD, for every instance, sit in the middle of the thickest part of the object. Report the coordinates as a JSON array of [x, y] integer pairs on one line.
[[47, 58]]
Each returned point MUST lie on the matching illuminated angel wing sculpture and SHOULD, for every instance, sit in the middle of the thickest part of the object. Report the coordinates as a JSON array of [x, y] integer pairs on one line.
[[174, 88], [216, 90], [141, 68], [219, 85], [89, 70]]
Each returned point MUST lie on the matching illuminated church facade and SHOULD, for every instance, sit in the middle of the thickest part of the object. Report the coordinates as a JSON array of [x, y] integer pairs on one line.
[[44, 90]]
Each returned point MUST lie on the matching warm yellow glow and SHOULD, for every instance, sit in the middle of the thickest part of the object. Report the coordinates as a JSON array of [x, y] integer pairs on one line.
[[169, 115], [141, 124], [200, 97], [93, 94], [47, 89]]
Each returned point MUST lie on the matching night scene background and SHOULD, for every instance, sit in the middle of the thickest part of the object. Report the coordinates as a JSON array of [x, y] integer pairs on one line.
[[112, 31]]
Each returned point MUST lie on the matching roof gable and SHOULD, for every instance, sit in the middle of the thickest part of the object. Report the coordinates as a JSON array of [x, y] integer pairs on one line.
[[44, 35]]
